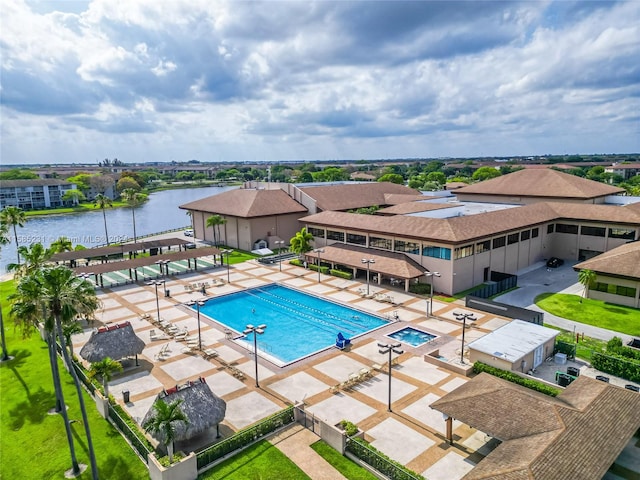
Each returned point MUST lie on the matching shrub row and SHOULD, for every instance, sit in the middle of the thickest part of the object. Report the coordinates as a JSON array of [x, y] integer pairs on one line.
[[379, 461], [341, 274], [420, 288], [515, 378], [617, 365]]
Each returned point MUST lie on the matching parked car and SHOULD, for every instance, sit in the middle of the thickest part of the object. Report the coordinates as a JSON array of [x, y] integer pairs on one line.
[[554, 262], [190, 245], [188, 232]]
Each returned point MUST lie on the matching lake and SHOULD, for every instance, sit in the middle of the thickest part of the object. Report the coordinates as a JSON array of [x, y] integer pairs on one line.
[[159, 213]]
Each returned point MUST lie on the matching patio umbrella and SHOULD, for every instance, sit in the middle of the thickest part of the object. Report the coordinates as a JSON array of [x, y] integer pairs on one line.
[[114, 341], [200, 405]]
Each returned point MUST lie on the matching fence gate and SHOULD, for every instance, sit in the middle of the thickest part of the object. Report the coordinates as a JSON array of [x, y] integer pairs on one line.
[[307, 420]]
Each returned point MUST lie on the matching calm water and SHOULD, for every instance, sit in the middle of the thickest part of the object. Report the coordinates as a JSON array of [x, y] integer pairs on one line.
[[412, 336], [297, 324], [159, 213]]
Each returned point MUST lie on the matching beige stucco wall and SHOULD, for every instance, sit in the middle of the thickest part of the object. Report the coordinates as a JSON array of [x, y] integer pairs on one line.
[[617, 299], [475, 355]]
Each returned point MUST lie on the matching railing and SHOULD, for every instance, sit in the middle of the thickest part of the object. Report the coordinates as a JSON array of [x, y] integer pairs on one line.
[[128, 433], [84, 378], [384, 465], [243, 438]]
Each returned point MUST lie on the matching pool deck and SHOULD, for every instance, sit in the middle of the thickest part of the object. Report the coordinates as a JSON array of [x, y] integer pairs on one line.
[[315, 380]]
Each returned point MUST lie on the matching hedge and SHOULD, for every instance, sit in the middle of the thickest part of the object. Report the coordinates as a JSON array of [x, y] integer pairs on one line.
[[515, 378], [617, 365], [341, 274], [379, 461]]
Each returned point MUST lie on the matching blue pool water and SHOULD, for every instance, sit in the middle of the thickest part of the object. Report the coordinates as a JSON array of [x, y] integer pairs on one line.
[[412, 336], [297, 324]]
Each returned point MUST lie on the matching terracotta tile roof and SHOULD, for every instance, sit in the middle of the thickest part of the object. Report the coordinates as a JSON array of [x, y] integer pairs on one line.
[[354, 195], [247, 203], [415, 207], [390, 264], [471, 227], [623, 261], [541, 183], [578, 434]]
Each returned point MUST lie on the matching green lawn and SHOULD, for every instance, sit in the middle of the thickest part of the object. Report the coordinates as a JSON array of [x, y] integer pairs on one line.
[[83, 207], [591, 312], [262, 461], [342, 464], [32, 443]]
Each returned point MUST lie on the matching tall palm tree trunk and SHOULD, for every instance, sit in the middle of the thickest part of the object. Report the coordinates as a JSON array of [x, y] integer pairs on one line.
[[106, 234], [133, 212], [15, 235], [83, 410], [5, 353], [60, 405]]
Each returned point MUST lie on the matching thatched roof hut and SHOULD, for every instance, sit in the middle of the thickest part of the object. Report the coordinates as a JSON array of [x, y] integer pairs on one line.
[[113, 341], [200, 405]]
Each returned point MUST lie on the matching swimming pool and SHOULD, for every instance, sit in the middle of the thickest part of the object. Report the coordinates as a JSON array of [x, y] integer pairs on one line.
[[412, 336], [298, 324]]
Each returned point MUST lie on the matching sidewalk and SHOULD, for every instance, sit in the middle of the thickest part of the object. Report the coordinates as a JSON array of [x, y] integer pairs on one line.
[[560, 280]]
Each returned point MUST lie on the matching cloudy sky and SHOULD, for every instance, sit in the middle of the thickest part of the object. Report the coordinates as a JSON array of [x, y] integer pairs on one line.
[[163, 80]]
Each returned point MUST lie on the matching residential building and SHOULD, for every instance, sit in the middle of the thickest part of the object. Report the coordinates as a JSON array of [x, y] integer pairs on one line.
[[34, 194]]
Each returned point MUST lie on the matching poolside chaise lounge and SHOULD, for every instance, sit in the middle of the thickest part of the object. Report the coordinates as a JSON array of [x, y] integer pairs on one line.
[[342, 341]]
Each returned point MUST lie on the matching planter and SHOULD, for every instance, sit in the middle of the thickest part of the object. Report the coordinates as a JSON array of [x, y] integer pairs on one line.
[[102, 404], [185, 469]]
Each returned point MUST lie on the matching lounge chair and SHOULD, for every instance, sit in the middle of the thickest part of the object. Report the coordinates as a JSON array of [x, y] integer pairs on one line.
[[208, 353], [342, 341]]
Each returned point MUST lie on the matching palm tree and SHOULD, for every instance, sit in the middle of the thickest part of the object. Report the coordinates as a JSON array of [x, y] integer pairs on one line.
[[68, 330], [62, 297], [13, 217], [4, 240], [35, 257], [62, 244], [134, 199], [300, 243], [587, 278], [105, 368], [213, 222], [102, 201], [162, 424]]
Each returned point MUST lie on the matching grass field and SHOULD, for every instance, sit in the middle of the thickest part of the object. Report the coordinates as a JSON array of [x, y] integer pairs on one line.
[[33, 444], [342, 464], [83, 207], [591, 312]]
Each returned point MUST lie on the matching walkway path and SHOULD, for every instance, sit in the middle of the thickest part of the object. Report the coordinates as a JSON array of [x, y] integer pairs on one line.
[[560, 280], [295, 443]]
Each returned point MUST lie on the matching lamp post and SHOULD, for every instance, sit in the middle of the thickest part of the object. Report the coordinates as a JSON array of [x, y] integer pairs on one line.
[[368, 261], [163, 265], [430, 276], [198, 304], [259, 330], [156, 283], [281, 243], [318, 251], [463, 317], [389, 348], [227, 252]]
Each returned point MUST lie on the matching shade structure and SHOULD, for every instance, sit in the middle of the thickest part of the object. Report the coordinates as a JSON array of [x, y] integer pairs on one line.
[[201, 406], [113, 341]]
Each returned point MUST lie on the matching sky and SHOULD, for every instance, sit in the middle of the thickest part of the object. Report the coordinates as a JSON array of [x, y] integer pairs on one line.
[[174, 80]]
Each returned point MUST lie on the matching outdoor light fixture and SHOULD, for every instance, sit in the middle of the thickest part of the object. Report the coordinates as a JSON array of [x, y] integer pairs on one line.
[[259, 330], [281, 243], [227, 252], [430, 276], [464, 317], [389, 348], [163, 264], [198, 304], [368, 261], [156, 283], [318, 251]]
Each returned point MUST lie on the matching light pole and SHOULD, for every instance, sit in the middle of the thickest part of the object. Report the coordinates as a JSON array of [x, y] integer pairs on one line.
[[368, 261], [389, 348], [227, 252], [281, 243], [318, 251], [430, 276], [463, 317], [198, 304], [156, 283], [163, 264], [259, 330]]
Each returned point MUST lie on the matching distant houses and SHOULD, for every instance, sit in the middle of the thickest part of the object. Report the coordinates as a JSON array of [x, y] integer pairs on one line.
[[34, 194]]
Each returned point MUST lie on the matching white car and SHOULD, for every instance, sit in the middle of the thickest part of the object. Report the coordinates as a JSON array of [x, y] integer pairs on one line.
[[188, 233]]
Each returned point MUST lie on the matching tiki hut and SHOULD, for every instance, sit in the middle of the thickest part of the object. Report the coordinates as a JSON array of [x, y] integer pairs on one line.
[[200, 405], [113, 341]]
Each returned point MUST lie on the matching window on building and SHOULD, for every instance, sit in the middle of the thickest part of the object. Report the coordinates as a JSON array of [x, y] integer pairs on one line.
[[550, 228], [483, 246], [316, 232], [462, 252], [512, 238], [601, 287], [499, 242], [626, 291], [436, 252], [623, 233], [525, 235], [593, 231], [379, 242], [335, 235], [566, 228], [356, 239], [535, 232], [407, 247]]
